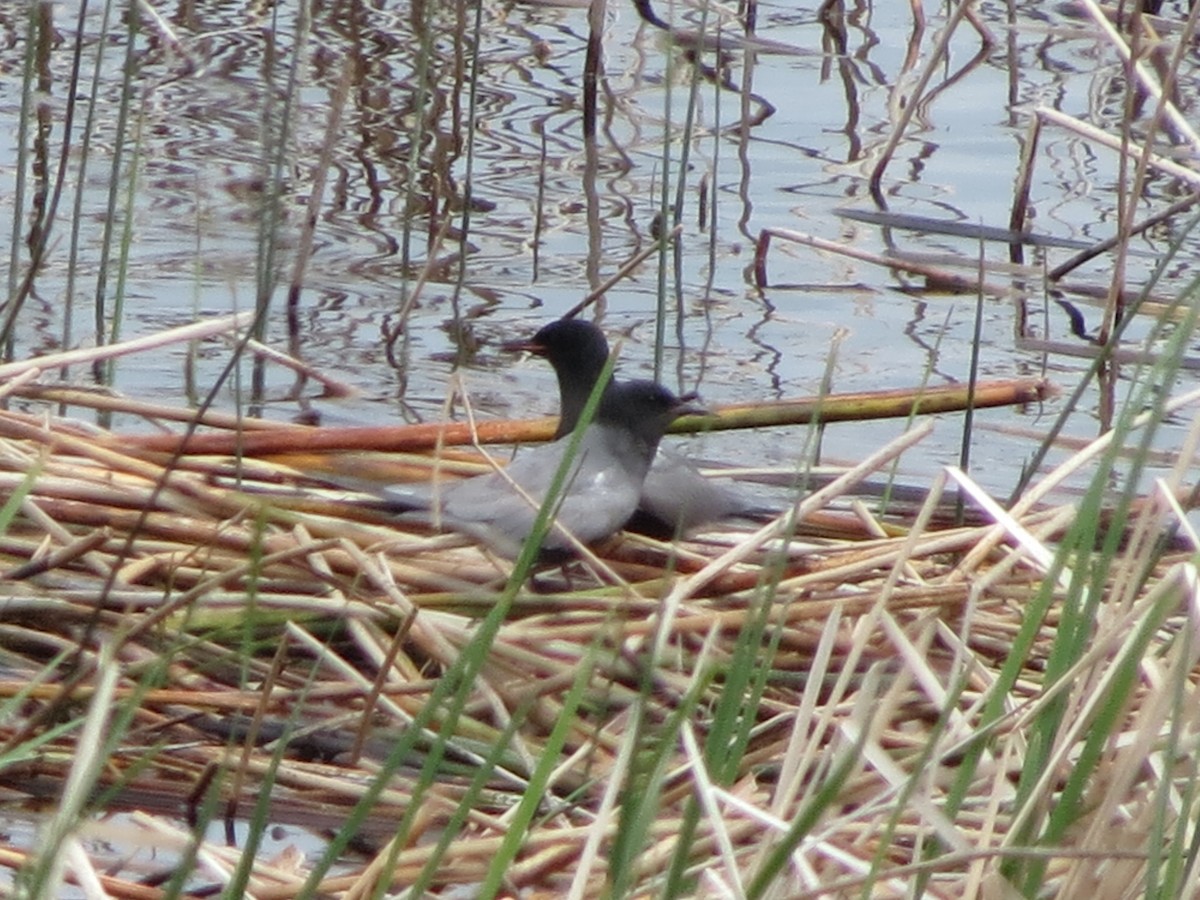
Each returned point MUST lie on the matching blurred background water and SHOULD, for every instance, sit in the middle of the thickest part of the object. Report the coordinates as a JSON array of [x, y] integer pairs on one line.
[[463, 203]]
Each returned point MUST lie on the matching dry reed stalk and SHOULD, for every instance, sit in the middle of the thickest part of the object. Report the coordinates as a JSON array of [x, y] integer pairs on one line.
[[1189, 176], [1119, 356], [1149, 83], [300, 444], [106, 401], [193, 332], [331, 387]]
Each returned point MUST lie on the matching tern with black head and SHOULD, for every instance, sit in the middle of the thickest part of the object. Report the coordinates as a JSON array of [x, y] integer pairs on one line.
[[601, 490], [675, 497]]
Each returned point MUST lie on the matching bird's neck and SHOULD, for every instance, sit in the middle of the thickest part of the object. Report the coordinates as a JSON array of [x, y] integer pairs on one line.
[[574, 397]]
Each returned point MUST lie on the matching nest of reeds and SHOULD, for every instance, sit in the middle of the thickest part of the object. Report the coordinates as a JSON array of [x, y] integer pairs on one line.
[[832, 702]]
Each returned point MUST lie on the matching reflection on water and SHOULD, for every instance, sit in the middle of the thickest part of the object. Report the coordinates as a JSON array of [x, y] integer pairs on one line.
[[476, 178]]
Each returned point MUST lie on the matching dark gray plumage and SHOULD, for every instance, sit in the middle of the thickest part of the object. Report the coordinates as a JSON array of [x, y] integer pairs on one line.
[[601, 491], [675, 496]]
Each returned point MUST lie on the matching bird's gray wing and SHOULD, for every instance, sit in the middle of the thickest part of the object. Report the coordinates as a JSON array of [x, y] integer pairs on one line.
[[678, 496], [599, 494]]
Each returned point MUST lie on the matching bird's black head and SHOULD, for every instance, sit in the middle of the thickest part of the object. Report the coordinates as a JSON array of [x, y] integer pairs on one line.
[[572, 345], [645, 408], [578, 351]]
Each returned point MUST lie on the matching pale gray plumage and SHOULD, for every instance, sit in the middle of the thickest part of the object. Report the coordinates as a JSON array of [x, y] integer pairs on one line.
[[676, 498], [600, 493]]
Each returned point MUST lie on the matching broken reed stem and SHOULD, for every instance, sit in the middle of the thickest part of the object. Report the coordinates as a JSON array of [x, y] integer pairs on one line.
[[1179, 206], [935, 63], [1189, 176], [844, 407], [1017, 219], [636, 260]]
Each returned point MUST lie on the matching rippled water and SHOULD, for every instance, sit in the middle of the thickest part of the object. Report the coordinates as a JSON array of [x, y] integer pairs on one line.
[[466, 120]]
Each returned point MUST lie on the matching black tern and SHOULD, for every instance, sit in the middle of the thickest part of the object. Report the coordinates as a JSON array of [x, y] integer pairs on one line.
[[600, 493], [675, 497]]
